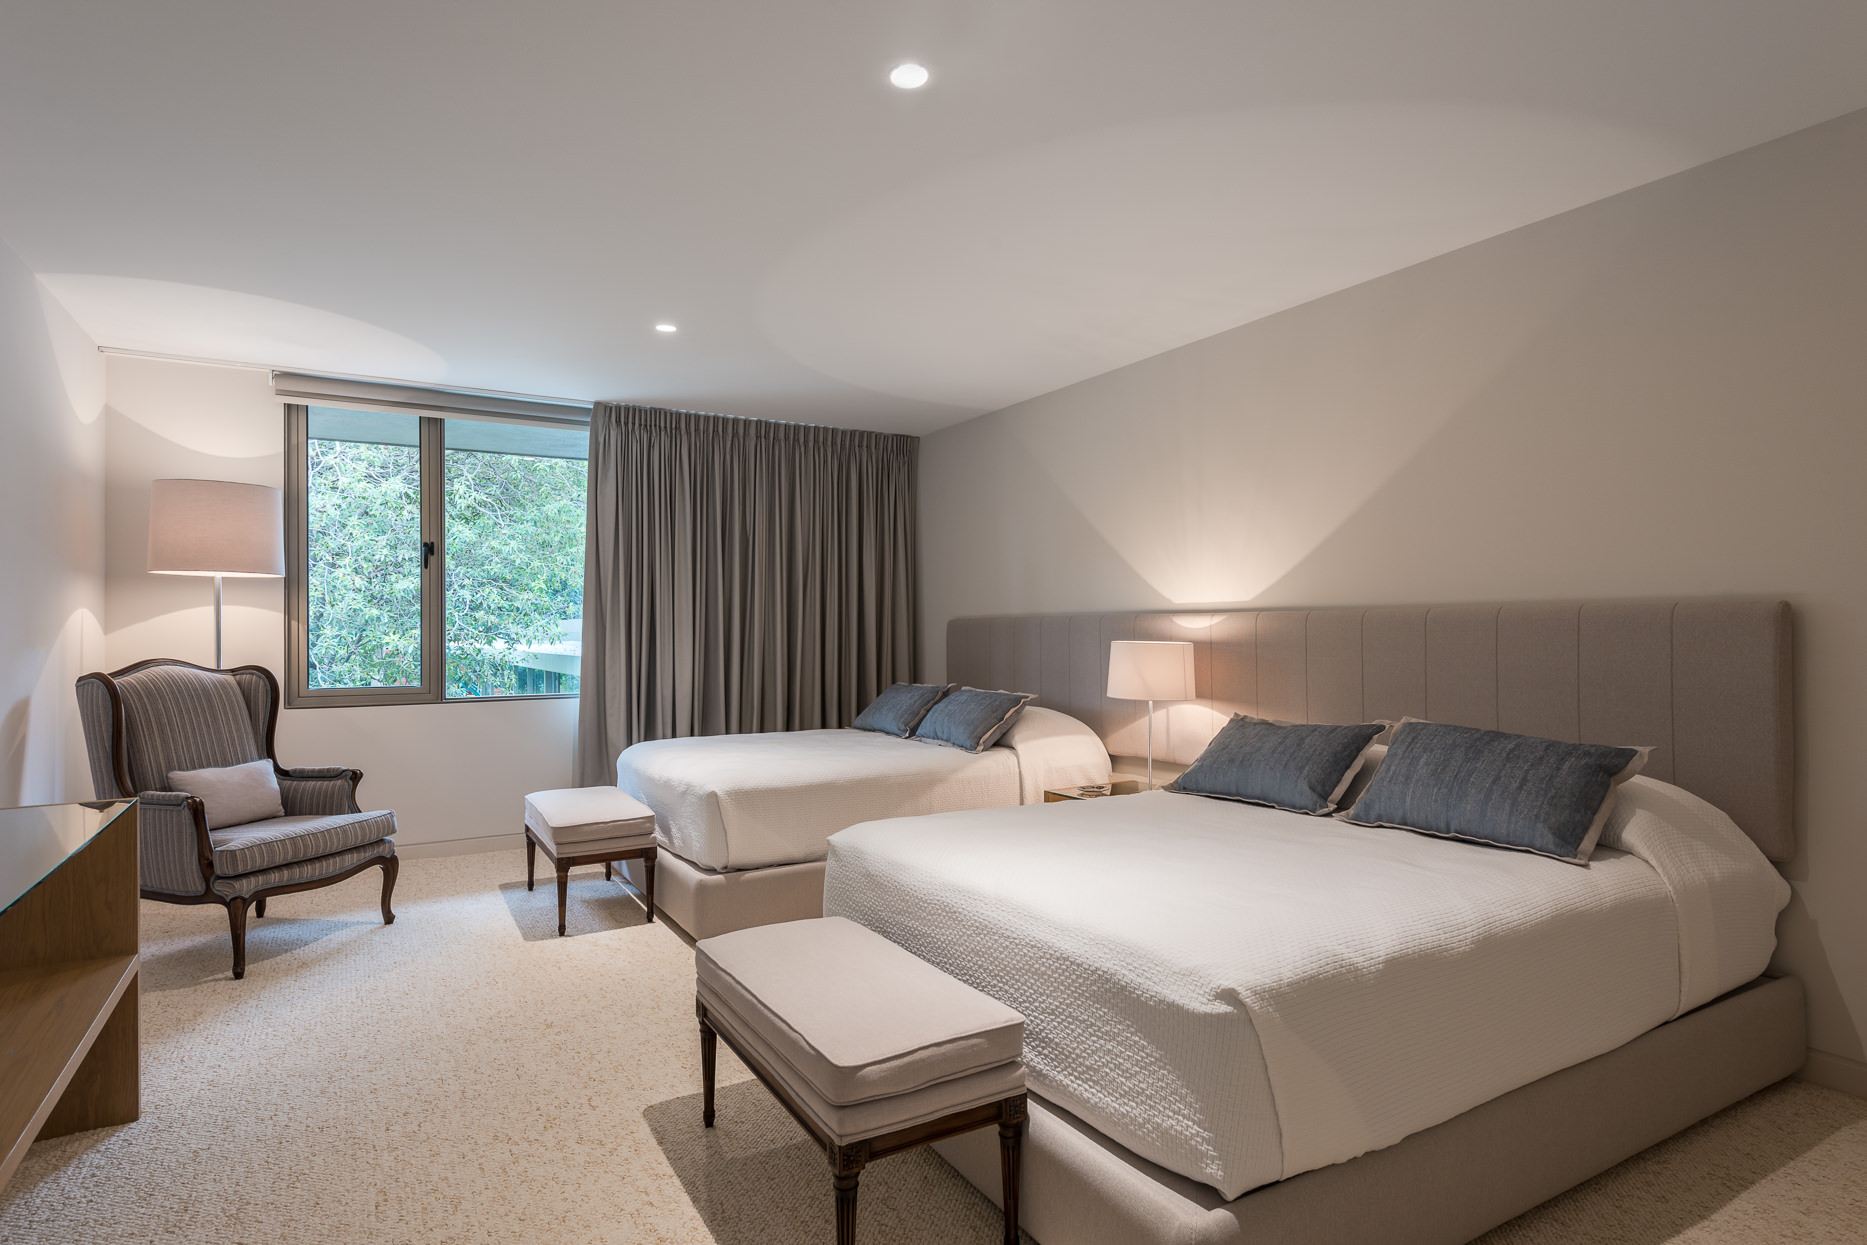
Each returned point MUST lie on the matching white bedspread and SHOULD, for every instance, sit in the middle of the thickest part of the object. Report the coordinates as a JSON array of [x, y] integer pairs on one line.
[[1242, 994], [747, 801]]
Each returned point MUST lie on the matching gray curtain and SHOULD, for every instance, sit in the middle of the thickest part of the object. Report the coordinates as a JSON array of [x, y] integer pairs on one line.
[[739, 575]]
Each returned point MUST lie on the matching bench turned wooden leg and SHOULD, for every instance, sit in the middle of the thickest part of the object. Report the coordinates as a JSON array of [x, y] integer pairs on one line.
[[531, 861], [846, 1181], [1010, 1144], [648, 867], [709, 1052], [563, 894], [846, 1208], [607, 875]]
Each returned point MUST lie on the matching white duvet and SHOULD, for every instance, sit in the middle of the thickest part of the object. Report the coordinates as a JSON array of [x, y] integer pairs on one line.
[[748, 801], [1241, 994]]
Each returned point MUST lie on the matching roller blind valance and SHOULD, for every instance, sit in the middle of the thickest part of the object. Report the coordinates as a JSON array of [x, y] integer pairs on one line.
[[419, 400]]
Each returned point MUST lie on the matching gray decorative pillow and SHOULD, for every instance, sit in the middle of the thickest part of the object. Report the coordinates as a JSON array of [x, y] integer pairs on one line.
[[900, 709], [1302, 768], [233, 795], [1516, 791], [971, 718]]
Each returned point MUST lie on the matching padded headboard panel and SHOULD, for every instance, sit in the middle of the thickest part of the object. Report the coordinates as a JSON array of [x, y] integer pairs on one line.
[[1707, 683]]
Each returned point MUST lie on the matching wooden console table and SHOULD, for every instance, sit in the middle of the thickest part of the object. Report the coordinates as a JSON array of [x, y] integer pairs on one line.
[[68, 972]]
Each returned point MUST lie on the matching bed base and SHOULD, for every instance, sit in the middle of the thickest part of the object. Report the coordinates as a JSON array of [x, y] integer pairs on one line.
[[1442, 1186], [704, 904]]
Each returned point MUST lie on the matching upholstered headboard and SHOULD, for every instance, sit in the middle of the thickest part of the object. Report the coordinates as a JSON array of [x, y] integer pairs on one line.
[[1707, 683]]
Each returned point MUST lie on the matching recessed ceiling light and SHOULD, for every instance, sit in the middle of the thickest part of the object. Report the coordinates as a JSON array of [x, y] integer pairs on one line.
[[908, 76], [664, 328]]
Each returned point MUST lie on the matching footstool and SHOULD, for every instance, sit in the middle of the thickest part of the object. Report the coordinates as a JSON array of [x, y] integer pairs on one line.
[[588, 826], [871, 1049]]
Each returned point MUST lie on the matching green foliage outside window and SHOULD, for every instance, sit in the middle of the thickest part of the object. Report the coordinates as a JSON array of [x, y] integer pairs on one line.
[[364, 542], [514, 571], [514, 565]]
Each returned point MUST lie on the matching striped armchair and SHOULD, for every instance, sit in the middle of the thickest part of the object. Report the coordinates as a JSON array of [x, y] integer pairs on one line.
[[152, 719]]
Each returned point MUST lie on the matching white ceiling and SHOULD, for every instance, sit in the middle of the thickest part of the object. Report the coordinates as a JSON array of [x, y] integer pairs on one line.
[[509, 196]]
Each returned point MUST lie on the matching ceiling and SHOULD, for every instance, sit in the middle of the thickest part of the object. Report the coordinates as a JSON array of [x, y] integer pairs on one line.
[[510, 196]]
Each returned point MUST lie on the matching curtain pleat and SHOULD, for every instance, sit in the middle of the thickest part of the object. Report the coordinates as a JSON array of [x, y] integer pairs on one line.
[[739, 575]]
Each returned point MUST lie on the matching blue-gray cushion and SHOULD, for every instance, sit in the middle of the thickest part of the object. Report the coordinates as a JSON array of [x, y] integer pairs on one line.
[[900, 709], [971, 718], [1515, 791], [1302, 768]]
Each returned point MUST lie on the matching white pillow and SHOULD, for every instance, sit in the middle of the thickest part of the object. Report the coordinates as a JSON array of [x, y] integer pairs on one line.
[[234, 795]]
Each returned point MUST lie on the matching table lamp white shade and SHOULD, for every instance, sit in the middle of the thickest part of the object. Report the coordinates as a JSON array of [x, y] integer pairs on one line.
[[1150, 670], [218, 528]]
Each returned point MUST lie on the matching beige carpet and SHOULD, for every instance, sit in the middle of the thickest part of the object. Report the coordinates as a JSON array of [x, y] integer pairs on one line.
[[465, 1076]]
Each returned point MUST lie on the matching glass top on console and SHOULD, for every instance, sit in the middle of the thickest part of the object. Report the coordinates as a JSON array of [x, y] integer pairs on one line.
[[36, 840]]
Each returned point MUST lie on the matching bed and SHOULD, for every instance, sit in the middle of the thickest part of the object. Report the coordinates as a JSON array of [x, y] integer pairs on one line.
[[1247, 1025], [746, 819]]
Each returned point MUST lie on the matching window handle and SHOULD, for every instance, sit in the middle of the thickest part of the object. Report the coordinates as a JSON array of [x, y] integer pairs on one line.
[[427, 553]]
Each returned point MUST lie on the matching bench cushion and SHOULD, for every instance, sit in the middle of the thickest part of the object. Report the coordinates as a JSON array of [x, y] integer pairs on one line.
[[572, 817], [844, 1124], [851, 1014]]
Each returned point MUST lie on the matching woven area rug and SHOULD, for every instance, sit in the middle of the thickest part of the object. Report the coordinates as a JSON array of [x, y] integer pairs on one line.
[[465, 1075]]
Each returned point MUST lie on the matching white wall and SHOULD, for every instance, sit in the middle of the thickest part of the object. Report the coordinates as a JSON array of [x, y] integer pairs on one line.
[[1664, 393], [51, 539], [456, 774]]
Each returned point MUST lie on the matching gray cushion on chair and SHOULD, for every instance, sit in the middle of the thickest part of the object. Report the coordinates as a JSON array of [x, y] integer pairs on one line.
[[851, 1014], [232, 795], [282, 840], [302, 870]]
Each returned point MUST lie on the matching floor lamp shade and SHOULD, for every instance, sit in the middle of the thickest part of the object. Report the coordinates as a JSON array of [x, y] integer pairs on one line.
[[1150, 670], [218, 528], [215, 527]]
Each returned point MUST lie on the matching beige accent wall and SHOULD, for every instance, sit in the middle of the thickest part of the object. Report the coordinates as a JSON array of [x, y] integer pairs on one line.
[[51, 538], [455, 774], [1660, 394]]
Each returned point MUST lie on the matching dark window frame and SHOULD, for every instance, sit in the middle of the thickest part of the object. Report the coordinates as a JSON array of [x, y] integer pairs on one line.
[[433, 466]]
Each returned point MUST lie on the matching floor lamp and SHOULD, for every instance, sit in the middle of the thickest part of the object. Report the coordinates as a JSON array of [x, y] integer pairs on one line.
[[218, 528], [1150, 670]]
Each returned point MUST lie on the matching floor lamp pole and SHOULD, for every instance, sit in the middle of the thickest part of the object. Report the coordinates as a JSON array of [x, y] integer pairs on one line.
[[220, 658]]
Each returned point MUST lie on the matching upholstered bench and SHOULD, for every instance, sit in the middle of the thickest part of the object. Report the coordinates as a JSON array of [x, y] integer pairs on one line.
[[588, 826], [871, 1049]]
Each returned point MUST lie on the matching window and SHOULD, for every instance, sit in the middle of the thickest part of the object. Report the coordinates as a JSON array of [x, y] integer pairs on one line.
[[432, 558]]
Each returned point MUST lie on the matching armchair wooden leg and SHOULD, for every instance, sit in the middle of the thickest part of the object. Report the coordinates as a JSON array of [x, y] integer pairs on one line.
[[563, 894], [259, 907], [531, 861], [391, 865], [607, 875], [236, 925]]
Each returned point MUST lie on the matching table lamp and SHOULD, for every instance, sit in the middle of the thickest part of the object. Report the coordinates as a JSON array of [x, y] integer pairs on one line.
[[218, 528], [1150, 670]]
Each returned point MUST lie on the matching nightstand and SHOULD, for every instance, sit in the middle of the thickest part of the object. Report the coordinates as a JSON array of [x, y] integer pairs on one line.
[[1121, 786]]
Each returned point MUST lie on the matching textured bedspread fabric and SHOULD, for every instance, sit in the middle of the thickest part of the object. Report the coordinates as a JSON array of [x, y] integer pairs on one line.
[[748, 801], [1242, 994]]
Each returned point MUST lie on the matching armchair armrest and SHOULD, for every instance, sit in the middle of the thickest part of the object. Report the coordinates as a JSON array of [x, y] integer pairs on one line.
[[312, 791], [176, 855]]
